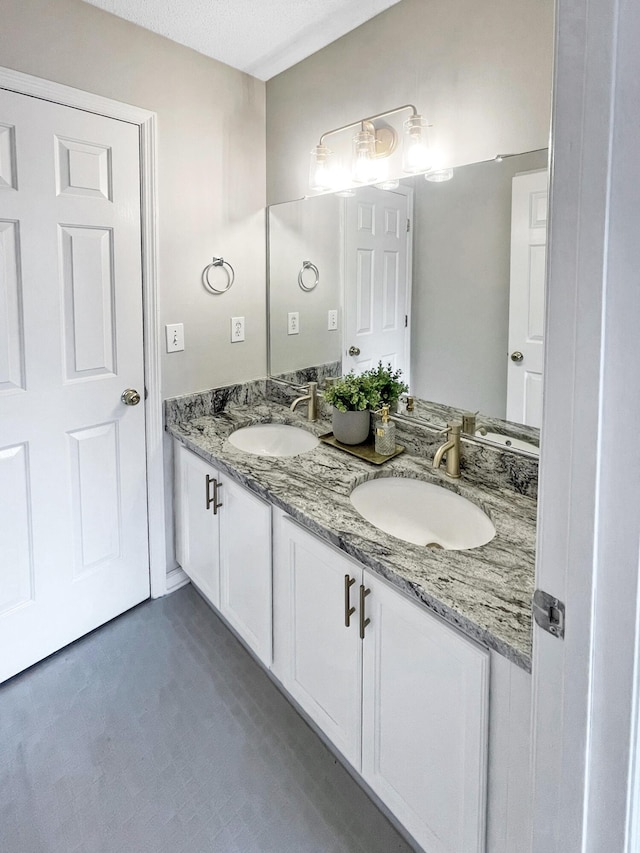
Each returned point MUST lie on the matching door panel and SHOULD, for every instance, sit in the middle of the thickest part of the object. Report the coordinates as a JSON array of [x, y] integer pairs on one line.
[[87, 277], [11, 320], [71, 290], [15, 529]]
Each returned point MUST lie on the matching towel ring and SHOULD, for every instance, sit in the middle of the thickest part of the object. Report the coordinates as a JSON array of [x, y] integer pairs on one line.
[[218, 262], [307, 265]]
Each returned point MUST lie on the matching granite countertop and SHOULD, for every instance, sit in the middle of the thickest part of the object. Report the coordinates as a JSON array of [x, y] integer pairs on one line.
[[486, 592]]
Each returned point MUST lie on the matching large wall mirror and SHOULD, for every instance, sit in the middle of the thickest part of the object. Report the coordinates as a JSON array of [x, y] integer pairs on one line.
[[445, 280]]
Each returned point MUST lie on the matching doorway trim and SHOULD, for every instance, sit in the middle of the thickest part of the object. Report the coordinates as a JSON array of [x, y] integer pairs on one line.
[[47, 90]]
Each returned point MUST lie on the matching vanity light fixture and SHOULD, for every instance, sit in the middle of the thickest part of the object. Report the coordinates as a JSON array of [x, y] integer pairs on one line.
[[437, 176], [391, 184], [373, 142]]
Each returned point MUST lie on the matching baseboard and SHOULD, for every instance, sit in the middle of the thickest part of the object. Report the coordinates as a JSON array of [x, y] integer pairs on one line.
[[176, 579]]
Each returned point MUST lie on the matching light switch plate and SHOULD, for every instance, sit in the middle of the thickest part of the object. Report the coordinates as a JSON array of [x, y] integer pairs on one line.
[[293, 323], [175, 337], [332, 319], [237, 329]]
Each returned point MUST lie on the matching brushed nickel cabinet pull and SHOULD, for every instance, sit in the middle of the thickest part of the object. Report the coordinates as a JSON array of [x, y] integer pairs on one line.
[[216, 503], [212, 500], [363, 622], [348, 610], [209, 499]]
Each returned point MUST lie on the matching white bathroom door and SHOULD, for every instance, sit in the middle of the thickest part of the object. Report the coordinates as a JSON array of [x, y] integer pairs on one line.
[[376, 281], [526, 297], [73, 515]]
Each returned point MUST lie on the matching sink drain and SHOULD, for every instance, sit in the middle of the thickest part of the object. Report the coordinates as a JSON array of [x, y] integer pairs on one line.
[[434, 545]]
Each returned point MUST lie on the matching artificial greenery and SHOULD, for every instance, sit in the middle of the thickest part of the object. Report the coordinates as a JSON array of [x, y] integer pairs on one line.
[[352, 393], [388, 385], [368, 390]]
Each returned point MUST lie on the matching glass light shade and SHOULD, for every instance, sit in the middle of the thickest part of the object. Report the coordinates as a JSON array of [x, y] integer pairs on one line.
[[416, 156], [320, 173], [364, 166], [437, 176], [389, 184]]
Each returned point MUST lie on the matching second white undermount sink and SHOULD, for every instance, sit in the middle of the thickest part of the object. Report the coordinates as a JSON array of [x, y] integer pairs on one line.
[[273, 440], [422, 513]]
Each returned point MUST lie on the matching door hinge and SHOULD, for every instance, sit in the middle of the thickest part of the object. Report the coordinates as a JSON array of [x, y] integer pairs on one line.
[[406, 320], [408, 225], [549, 613]]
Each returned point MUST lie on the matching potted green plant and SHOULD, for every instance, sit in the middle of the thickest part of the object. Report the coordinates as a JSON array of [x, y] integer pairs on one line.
[[386, 383], [352, 397]]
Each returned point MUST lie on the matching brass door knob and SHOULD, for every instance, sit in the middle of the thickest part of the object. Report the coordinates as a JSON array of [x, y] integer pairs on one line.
[[517, 356], [130, 397], [354, 350]]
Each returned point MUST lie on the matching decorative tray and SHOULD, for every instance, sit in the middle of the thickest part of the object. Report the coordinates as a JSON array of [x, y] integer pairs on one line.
[[365, 451]]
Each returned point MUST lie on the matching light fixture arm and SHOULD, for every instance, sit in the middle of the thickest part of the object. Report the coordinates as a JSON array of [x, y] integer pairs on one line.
[[369, 119]]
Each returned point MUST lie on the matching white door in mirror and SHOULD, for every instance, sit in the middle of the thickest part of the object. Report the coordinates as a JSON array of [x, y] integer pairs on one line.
[[526, 297]]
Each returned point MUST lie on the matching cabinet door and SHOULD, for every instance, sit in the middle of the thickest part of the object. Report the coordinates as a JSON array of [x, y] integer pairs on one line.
[[424, 736], [316, 657], [245, 566], [196, 526]]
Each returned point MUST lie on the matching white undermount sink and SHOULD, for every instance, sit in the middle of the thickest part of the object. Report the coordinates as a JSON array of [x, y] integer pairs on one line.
[[273, 440], [422, 513]]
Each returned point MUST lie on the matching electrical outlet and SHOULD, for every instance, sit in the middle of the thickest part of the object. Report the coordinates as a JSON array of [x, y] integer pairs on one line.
[[175, 337], [237, 329], [332, 320], [293, 323]]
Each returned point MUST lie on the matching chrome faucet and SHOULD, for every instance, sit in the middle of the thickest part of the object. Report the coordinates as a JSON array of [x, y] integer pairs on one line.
[[311, 398], [452, 448]]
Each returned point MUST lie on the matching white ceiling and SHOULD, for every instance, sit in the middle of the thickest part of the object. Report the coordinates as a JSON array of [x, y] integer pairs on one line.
[[261, 37]]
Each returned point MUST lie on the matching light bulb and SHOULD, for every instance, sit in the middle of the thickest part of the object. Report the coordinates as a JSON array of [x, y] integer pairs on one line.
[[416, 155], [364, 167], [320, 173]]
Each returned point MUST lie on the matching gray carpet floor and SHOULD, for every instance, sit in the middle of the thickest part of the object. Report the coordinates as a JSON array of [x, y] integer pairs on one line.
[[158, 733]]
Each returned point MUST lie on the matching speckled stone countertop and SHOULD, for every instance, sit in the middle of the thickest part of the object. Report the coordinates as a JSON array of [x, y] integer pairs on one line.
[[486, 592]]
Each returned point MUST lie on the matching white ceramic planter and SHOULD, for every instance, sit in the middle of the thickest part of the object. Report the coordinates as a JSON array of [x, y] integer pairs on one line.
[[351, 427]]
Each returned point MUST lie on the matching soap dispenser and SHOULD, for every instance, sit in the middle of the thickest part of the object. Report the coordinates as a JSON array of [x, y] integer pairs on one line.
[[385, 433]]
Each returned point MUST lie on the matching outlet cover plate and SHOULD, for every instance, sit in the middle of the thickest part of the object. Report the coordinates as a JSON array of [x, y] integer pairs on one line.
[[293, 323], [237, 329]]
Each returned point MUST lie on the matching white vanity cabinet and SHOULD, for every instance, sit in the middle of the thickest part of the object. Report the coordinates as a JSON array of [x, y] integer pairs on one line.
[[425, 709], [223, 543], [317, 658], [407, 703]]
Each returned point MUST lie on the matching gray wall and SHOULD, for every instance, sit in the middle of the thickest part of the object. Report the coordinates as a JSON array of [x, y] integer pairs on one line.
[[480, 72], [211, 168]]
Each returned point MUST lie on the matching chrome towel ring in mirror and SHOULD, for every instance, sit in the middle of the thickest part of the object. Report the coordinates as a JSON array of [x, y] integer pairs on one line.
[[307, 265], [218, 262]]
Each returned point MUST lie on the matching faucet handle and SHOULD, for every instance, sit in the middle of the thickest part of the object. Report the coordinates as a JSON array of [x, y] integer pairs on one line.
[[452, 426], [469, 422]]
